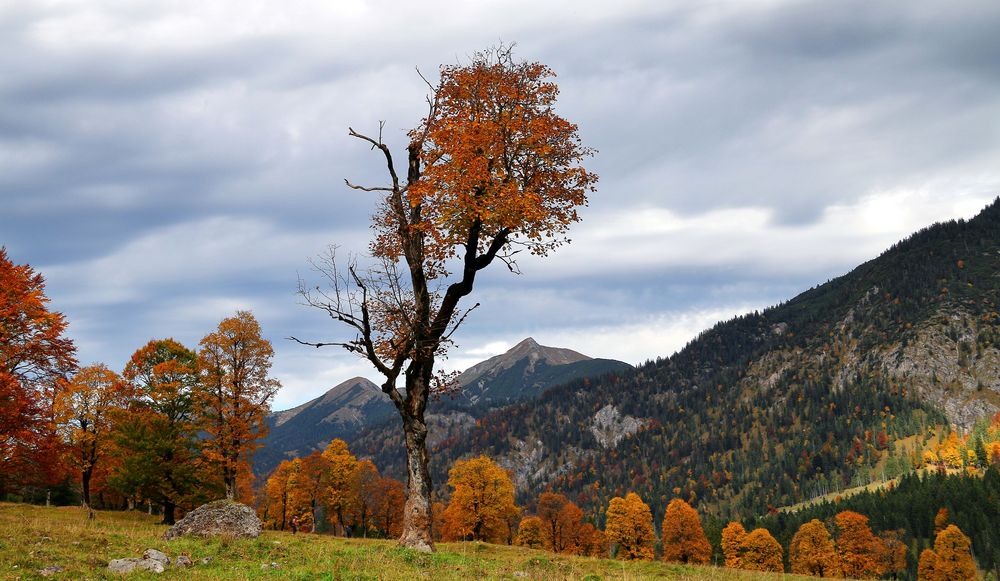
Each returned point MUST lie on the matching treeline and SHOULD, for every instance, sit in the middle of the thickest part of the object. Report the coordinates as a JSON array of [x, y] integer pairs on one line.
[[175, 428], [918, 506], [332, 491]]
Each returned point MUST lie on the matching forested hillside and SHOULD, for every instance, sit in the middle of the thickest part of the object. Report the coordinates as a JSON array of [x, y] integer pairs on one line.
[[775, 407]]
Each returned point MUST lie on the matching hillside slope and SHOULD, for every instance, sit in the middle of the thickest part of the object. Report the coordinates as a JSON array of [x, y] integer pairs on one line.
[[772, 408], [357, 408]]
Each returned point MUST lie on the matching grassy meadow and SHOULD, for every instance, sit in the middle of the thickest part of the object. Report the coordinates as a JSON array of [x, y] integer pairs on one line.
[[34, 537]]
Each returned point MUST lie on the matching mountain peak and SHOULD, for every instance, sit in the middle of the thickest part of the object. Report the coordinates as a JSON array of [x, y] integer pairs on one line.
[[526, 349]]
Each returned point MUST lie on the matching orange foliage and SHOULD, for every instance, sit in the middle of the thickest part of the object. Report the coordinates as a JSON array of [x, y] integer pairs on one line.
[[630, 527], [893, 554], [234, 394], [761, 552], [927, 566], [857, 548], [84, 411], [811, 551], [529, 533], [941, 520], [482, 501], [563, 521], [387, 511], [684, 541], [337, 496], [732, 544], [35, 357], [951, 559]]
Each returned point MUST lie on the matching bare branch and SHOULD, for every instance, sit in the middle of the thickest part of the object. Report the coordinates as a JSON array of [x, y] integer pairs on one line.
[[365, 188]]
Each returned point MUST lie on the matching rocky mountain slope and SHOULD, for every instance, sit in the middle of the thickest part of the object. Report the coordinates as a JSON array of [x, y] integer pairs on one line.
[[357, 408], [775, 407]]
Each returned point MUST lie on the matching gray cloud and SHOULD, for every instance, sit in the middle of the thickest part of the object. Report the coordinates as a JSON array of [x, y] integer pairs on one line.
[[164, 165]]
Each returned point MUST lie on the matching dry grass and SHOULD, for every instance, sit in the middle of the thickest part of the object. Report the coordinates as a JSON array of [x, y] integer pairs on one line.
[[33, 537]]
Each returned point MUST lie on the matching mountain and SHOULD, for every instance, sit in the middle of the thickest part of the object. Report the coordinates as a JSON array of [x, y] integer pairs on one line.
[[524, 372], [774, 407], [358, 408], [338, 413]]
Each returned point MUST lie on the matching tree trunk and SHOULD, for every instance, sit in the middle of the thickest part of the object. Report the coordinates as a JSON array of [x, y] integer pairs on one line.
[[85, 480], [169, 510], [417, 510]]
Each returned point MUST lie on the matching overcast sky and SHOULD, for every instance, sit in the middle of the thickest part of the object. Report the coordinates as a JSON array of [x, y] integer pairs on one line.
[[164, 163]]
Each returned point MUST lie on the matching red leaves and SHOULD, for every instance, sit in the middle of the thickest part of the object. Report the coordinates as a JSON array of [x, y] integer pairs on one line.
[[35, 357]]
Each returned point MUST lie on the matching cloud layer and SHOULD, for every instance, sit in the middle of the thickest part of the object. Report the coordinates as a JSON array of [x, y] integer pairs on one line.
[[166, 163]]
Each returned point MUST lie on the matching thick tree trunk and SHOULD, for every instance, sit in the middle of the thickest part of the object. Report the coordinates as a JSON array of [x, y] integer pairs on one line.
[[169, 511], [417, 510]]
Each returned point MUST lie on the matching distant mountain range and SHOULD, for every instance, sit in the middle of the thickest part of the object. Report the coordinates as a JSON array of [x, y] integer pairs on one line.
[[356, 407], [772, 407], [765, 410]]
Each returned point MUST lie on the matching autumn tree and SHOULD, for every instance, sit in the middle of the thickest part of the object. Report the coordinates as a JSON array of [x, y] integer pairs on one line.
[[941, 520], [234, 394], [893, 555], [490, 171], [315, 478], [35, 359], [482, 500], [276, 491], [951, 559], [340, 466], [364, 488], [388, 510], [630, 527], [157, 439], [529, 533], [927, 566], [761, 552], [684, 540], [562, 522], [812, 552], [84, 412], [858, 548], [593, 541], [732, 544]]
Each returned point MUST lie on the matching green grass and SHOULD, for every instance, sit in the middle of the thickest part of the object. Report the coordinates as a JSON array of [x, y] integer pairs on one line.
[[33, 537]]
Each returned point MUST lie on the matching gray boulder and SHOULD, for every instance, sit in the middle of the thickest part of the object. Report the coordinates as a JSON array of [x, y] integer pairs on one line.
[[222, 518], [132, 564], [155, 555]]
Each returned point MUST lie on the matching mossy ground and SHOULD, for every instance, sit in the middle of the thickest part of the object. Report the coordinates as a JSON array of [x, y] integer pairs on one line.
[[33, 537]]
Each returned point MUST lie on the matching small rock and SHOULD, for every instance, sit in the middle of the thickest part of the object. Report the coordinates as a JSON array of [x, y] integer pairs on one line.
[[51, 570], [149, 565], [122, 565], [520, 573], [206, 560], [183, 561], [155, 555]]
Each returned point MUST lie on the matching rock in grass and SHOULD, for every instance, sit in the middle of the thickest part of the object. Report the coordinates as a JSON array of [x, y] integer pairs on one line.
[[222, 518], [51, 570], [122, 565], [132, 564], [183, 561], [156, 556]]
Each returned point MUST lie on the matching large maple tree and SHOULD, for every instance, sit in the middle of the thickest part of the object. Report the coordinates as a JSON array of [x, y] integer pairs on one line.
[[490, 171]]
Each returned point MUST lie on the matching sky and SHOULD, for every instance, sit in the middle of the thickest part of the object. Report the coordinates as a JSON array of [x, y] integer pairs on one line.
[[165, 163]]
